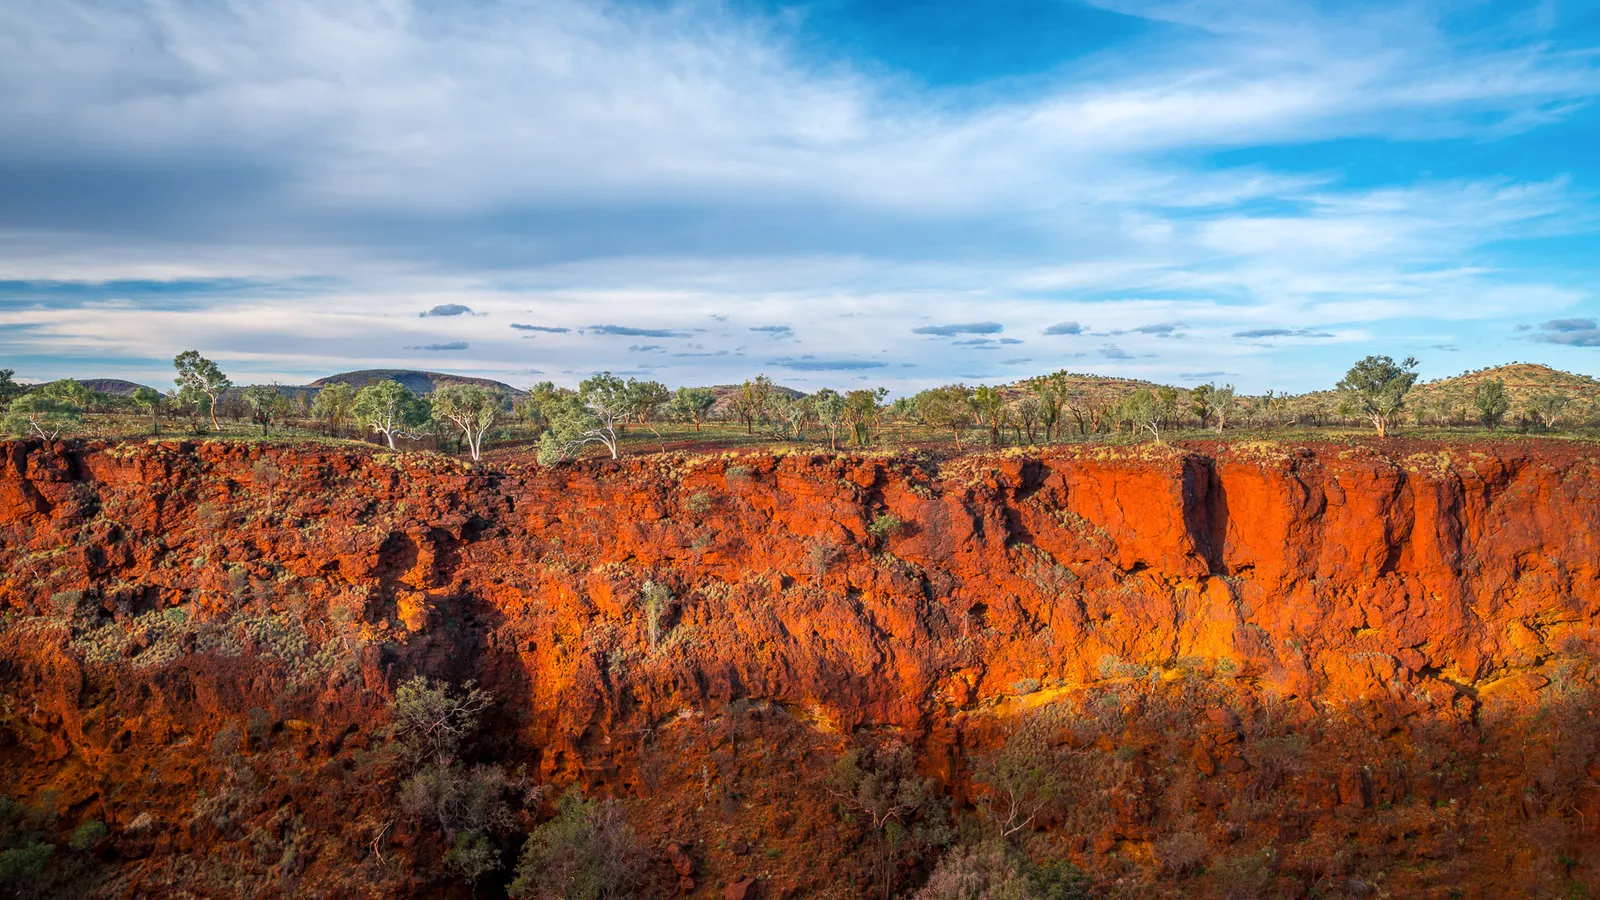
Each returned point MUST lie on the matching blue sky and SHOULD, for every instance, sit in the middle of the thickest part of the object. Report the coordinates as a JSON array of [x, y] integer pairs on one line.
[[834, 192]]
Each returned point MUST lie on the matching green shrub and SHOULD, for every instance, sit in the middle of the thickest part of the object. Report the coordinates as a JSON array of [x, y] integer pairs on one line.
[[586, 852], [87, 835], [23, 864], [885, 525]]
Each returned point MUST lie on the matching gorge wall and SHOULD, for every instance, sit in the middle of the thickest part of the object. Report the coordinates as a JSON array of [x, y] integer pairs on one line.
[[1330, 670]]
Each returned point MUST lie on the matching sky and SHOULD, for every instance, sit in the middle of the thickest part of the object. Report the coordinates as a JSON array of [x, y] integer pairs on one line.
[[839, 192]]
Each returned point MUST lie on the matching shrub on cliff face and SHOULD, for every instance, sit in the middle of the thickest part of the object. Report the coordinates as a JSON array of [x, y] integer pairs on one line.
[[904, 812], [586, 852], [432, 720], [990, 871]]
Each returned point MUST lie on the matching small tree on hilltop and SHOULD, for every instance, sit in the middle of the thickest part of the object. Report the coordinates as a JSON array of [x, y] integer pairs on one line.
[[472, 408], [40, 414], [150, 400], [1490, 399], [1375, 389], [200, 377], [388, 408], [333, 404], [691, 405]]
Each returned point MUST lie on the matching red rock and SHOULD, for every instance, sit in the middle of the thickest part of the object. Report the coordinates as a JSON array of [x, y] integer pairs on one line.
[[743, 889]]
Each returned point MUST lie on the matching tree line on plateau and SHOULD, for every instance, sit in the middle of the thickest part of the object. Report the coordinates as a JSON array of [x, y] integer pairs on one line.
[[599, 410]]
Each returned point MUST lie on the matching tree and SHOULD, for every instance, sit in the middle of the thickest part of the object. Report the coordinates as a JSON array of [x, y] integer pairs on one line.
[[831, 409], [9, 389], [200, 377], [948, 407], [1024, 778], [1024, 415], [1490, 399], [750, 401], [333, 404], [148, 398], [861, 408], [1375, 388], [989, 405], [645, 399], [1050, 399], [586, 852], [1202, 402], [691, 405], [903, 810], [1144, 411], [472, 408], [1547, 408], [1223, 403], [592, 415], [266, 404], [388, 408], [431, 720], [39, 413], [68, 391]]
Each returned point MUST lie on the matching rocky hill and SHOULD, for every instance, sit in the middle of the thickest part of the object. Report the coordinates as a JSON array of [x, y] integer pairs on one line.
[[417, 381], [1257, 670]]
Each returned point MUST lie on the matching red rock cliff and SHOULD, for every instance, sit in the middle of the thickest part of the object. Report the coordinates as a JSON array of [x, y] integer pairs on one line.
[[158, 593]]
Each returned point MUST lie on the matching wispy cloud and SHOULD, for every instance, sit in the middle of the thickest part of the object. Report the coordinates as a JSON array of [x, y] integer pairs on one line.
[[545, 329], [628, 331], [448, 309], [451, 345]]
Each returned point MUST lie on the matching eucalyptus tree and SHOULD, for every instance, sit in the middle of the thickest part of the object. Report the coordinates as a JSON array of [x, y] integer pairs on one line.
[[200, 377], [388, 408], [472, 408], [1375, 389]]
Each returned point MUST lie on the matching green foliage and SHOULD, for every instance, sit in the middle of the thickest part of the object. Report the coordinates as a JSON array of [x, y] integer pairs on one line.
[[150, 400], [657, 599], [87, 835], [267, 404], [831, 409], [1143, 409], [592, 415], [903, 811], [473, 855], [885, 525], [68, 391], [1375, 388], [432, 720], [1547, 407], [199, 381], [691, 405], [1490, 399], [947, 408], [989, 406], [21, 865], [459, 799], [1023, 778], [333, 404], [41, 415], [586, 852], [388, 408], [9, 389], [472, 408]]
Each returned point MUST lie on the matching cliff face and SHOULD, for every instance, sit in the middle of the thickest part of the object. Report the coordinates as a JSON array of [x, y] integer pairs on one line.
[[1385, 648]]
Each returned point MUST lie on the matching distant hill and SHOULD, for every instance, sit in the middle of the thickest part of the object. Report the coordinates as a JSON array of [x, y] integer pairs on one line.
[[1522, 381], [114, 386], [725, 393], [418, 382]]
